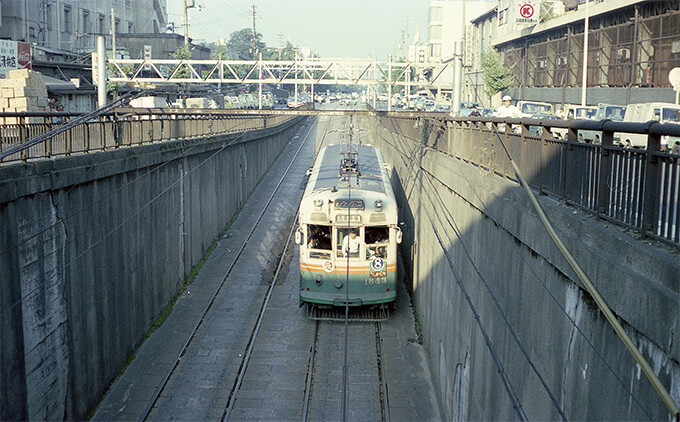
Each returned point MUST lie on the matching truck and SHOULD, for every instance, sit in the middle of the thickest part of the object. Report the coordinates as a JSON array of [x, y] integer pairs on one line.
[[529, 108], [200, 102], [604, 111], [644, 112], [149, 102]]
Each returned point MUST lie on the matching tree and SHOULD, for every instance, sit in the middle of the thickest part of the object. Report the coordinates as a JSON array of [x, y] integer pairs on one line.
[[241, 41], [497, 77], [182, 53]]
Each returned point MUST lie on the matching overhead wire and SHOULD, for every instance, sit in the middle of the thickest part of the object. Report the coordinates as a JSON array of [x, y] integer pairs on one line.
[[554, 300], [53, 280], [507, 384]]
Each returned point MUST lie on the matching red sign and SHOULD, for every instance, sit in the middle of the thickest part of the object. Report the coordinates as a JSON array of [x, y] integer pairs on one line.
[[23, 55], [526, 10]]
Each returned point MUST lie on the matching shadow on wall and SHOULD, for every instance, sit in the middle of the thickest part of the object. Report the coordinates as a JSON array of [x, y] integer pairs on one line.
[[509, 331]]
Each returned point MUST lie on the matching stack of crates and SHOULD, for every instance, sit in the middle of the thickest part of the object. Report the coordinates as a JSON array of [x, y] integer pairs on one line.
[[23, 90]]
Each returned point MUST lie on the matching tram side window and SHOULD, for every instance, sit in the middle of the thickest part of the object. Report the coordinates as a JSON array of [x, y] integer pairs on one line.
[[377, 239], [349, 242], [319, 241]]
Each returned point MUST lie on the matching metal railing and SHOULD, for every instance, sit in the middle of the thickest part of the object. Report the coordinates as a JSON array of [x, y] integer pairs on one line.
[[635, 188], [122, 127]]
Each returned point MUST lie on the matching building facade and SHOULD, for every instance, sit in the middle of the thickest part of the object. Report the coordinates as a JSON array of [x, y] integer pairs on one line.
[[632, 46], [73, 25]]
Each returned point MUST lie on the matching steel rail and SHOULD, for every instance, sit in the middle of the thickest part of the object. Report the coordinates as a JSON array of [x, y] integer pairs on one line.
[[599, 300], [256, 331], [169, 373], [310, 374], [384, 397]]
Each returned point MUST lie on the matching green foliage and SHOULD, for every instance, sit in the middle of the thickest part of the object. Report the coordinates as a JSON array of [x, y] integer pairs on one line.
[[112, 70], [220, 53], [497, 77], [241, 41], [182, 53]]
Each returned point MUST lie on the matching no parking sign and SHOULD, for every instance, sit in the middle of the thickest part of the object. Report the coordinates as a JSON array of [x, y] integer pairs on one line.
[[527, 12]]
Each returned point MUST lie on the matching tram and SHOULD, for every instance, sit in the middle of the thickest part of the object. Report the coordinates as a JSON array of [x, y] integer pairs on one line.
[[348, 230]]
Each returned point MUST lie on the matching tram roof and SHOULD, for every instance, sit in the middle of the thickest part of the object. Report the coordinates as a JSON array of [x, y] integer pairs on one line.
[[369, 166]]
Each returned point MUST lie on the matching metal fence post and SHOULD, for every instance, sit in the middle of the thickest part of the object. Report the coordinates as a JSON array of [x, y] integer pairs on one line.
[[649, 195], [604, 177], [23, 136]]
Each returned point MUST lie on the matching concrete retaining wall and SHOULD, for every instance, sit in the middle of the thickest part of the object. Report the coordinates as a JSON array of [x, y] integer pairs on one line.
[[480, 251], [93, 247]]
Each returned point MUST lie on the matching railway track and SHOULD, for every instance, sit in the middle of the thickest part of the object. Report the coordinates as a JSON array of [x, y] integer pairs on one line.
[[247, 354], [367, 397], [247, 250]]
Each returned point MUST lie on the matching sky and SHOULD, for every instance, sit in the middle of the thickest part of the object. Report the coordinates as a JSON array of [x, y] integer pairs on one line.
[[331, 28]]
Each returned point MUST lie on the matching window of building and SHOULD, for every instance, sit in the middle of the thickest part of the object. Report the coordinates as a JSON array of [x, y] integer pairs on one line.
[[503, 16], [86, 21], [117, 26], [436, 13], [435, 50], [435, 32], [131, 27], [67, 19], [101, 24], [32, 34], [48, 13]]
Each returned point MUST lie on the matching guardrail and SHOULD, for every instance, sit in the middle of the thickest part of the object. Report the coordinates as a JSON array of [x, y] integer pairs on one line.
[[46, 135], [635, 188]]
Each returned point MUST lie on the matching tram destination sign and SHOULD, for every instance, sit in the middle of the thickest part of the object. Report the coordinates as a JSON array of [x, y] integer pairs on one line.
[[349, 203]]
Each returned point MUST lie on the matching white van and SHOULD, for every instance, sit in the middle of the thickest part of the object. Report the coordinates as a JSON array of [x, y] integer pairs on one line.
[[529, 108], [644, 112], [149, 102]]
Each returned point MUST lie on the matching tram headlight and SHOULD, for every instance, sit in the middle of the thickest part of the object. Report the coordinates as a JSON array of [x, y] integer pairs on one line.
[[318, 203], [378, 203], [319, 280]]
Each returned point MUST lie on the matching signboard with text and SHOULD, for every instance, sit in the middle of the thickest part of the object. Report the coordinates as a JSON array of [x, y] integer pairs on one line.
[[528, 12], [14, 55]]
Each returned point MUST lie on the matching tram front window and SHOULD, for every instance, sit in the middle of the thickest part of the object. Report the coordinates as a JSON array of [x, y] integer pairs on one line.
[[319, 241], [376, 241], [349, 243]]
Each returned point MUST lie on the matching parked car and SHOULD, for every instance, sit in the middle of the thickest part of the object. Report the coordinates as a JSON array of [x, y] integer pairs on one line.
[[466, 107], [538, 130]]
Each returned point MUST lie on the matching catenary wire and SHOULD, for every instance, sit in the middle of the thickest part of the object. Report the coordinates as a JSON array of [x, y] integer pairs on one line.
[[557, 302], [51, 281]]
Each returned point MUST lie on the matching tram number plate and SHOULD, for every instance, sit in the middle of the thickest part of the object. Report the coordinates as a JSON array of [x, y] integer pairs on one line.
[[375, 274], [349, 203]]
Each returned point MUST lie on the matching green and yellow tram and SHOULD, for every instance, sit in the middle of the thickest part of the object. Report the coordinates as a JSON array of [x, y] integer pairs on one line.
[[348, 230]]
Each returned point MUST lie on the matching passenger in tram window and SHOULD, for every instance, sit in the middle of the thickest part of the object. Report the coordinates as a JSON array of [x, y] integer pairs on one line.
[[319, 242], [319, 237], [376, 242], [351, 243]]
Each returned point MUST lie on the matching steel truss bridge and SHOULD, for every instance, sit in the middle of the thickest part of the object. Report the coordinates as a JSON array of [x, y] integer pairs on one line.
[[370, 73]]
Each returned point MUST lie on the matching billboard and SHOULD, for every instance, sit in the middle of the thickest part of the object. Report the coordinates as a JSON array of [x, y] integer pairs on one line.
[[14, 55]]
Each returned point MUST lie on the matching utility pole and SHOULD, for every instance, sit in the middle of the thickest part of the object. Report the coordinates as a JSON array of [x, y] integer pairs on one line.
[[113, 33], [186, 25], [280, 45], [406, 37], [254, 36], [584, 82]]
